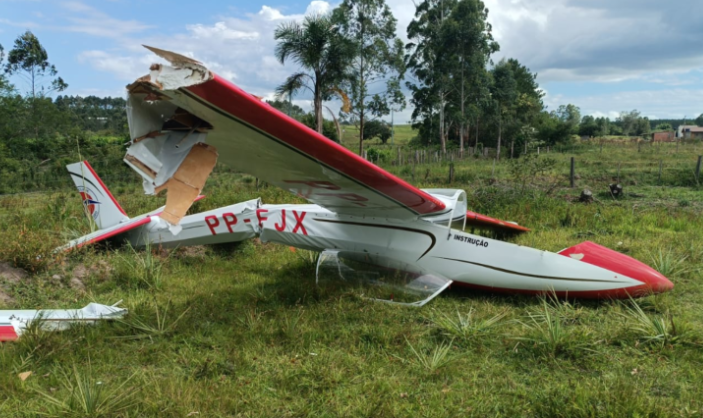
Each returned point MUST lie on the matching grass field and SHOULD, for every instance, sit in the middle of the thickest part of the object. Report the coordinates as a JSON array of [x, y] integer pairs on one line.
[[242, 330]]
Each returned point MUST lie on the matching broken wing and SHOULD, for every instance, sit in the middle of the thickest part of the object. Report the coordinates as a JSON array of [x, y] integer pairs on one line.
[[180, 107]]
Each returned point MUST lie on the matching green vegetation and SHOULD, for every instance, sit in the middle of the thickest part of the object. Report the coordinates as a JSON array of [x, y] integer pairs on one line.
[[242, 330]]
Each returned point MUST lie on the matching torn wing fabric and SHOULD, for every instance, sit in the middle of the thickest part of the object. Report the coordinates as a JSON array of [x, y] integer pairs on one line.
[[251, 136]]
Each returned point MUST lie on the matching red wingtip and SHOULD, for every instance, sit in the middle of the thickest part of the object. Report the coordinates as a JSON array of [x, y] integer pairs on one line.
[[473, 218]]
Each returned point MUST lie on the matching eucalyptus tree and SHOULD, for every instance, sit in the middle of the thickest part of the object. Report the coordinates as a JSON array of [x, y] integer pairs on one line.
[[503, 93], [374, 74], [29, 60], [426, 62], [321, 51], [527, 105], [467, 45]]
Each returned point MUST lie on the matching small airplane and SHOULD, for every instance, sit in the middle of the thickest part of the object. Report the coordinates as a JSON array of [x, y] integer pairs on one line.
[[370, 227]]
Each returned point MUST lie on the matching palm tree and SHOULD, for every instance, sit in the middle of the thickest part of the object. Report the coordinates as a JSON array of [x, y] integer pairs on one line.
[[320, 50]]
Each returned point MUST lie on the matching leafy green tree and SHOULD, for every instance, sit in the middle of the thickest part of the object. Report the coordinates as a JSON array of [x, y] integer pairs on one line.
[[29, 59], [551, 129], [318, 47], [643, 127], [292, 110], [588, 126], [571, 115], [328, 127], [699, 120], [5, 87], [504, 93], [627, 121], [373, 75], [467, 44], [425, 60], [527, 105], [603, 124], [377, 129], [666, 126]]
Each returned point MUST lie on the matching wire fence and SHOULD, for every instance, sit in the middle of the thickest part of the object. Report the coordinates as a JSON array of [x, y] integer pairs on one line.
[[655, 164]]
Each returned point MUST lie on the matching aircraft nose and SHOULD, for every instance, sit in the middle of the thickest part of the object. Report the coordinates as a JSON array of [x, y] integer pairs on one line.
[[619, 263]]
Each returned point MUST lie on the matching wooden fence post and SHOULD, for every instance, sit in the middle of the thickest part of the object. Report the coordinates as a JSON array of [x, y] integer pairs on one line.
[[698, 168], [661, 163], [572, 172], [451, 173]]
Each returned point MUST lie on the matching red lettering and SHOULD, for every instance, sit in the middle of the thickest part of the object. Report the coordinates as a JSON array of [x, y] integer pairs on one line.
[[299, 222], [259, 217], [213, 225], [231, 221], [281, 227], [316, 184]]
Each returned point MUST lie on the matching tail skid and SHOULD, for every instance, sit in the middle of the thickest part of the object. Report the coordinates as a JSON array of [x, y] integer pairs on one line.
[[98, 203]]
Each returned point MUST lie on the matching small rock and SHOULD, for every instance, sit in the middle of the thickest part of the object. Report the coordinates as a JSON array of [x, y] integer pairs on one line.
[[56, 278], [11, 274], [77, 284]]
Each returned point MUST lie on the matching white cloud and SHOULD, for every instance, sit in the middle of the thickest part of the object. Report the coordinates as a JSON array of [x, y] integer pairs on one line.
[[86, 19], [124, 67], [238, 48], [598, 40], [563, 41], [655, 104], [219, 30]]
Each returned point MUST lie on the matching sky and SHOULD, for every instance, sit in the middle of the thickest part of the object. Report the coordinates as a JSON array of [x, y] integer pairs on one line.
[[605, 56]]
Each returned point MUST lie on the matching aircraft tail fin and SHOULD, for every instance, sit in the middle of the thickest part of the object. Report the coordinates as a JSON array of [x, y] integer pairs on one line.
[[98, 203]]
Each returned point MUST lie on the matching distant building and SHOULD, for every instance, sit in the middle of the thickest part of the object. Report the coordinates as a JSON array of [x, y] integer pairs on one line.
[[666, 136], [689, 131]]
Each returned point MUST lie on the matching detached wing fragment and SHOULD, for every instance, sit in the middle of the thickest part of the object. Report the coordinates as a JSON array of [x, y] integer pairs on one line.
[[14, 322]]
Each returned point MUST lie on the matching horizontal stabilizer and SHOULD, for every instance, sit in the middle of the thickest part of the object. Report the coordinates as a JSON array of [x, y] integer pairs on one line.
[[104, 234]]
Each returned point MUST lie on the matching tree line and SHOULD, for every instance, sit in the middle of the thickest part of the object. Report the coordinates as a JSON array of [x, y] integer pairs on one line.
[[460, 97]]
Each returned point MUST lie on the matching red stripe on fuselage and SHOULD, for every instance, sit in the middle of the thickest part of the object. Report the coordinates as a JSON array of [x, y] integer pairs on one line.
[[622, 293], [117, 231], [243, 106]]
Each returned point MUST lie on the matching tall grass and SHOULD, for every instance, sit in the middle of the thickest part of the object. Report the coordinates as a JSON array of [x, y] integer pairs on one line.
[[85, 396]]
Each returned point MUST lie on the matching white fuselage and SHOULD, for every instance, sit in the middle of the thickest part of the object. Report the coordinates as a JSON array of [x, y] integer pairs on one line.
[[463, 258]]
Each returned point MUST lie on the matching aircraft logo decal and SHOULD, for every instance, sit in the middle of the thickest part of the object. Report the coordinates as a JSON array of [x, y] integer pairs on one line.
[[89, 203]]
